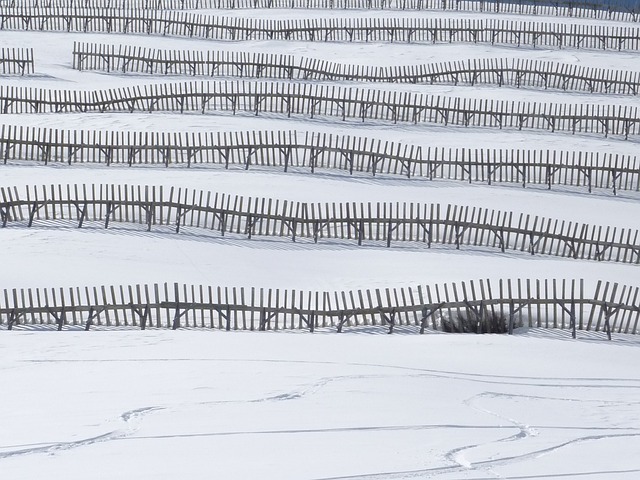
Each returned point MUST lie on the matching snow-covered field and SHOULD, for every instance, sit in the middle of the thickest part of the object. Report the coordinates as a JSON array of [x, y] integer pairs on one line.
[[202, 404]]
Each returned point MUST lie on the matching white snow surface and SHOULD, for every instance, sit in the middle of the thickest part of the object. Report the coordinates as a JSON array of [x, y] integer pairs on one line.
[[277, 406], [357, 405]]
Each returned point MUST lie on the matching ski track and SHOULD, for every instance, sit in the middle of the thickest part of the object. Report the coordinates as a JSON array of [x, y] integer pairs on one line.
[[131, 418], [485, 464], [455, 457], [524, 431], [634, 383]]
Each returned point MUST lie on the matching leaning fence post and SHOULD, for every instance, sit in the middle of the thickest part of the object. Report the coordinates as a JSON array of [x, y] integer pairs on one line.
[[176, 318], [61, 319], [87, 325], [511, 316], [607, 324]]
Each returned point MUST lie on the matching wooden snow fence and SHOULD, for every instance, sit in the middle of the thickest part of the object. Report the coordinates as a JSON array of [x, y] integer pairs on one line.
[[311, 152], [320, 100], [283, 149], [16, 61], [543, 167], [374, 224], [403, 30], [516, 72], [612, 10], [548, 303]]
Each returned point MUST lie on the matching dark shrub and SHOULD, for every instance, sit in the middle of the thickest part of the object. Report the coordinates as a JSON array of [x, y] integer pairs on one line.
[[492, 322]]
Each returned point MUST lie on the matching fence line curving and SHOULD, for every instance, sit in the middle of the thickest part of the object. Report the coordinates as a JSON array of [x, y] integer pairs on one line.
[[401, 30], [385, 223], [620, 10], [311, 152], [314, 100], [541, 303], [515, 72]]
